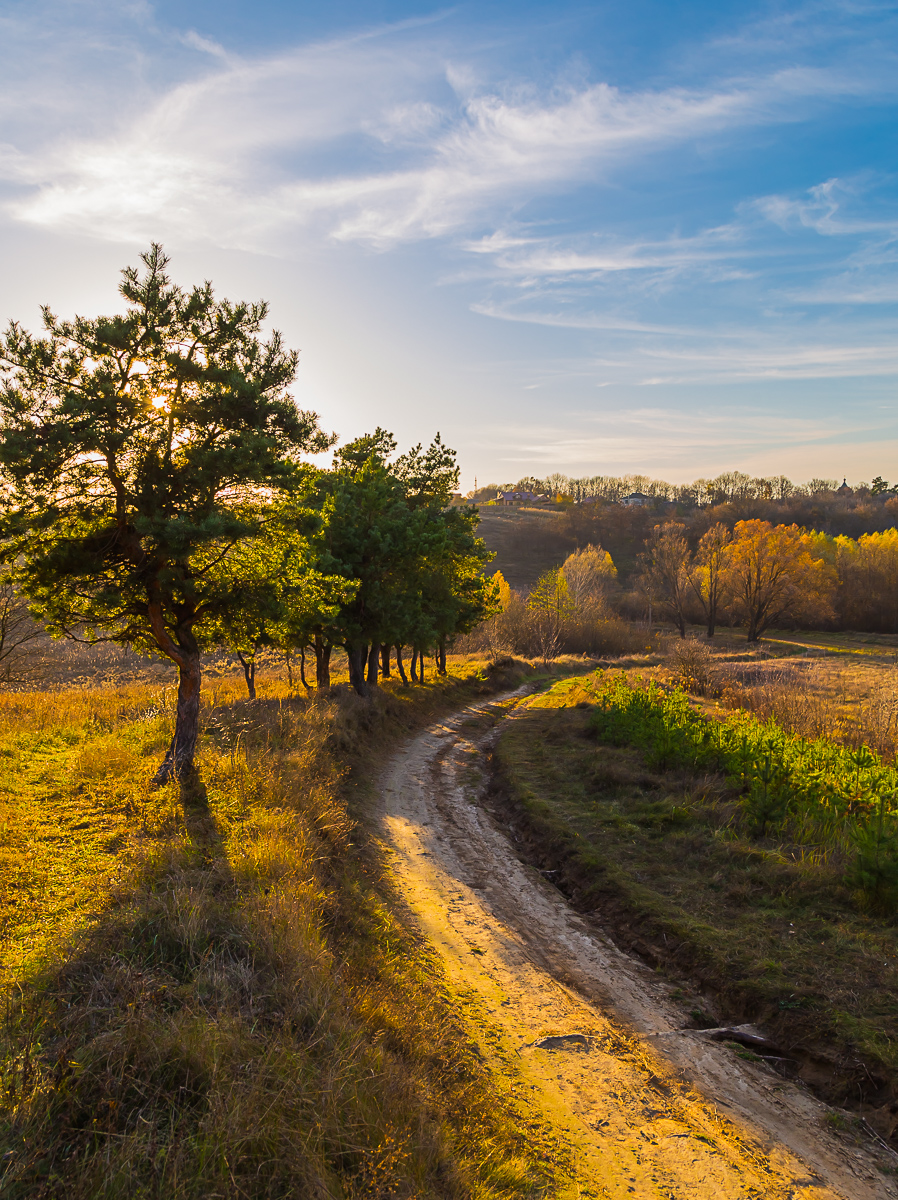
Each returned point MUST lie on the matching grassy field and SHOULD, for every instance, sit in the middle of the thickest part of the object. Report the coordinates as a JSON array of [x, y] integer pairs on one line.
[[748, 924], [208, 994]]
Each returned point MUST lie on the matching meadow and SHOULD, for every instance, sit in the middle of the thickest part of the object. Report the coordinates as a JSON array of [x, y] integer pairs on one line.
[[753, 860], [208, 992]]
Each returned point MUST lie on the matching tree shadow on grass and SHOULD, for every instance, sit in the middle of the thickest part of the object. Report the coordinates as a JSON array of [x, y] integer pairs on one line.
[[202, 828], [93, 1043]]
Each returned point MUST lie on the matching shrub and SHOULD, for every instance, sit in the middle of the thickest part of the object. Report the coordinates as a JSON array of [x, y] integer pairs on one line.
[[693, 667]]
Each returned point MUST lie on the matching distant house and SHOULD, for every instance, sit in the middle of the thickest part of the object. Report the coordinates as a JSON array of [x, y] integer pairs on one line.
[[636, 499], [520, 498], [844, 490]]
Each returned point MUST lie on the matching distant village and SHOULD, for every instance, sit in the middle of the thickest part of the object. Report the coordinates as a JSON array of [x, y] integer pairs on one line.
[[643, 491]]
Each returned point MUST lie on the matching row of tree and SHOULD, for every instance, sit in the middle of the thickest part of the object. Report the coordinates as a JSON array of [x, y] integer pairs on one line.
[[722, 489], [757, 575], [158, 494], [760, 574]]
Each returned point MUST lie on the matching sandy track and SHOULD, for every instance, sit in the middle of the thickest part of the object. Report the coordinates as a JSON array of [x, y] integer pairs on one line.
[[643, 1107]]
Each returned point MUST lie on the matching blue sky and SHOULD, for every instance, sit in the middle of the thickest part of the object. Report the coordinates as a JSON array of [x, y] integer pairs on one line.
[[591, 238]]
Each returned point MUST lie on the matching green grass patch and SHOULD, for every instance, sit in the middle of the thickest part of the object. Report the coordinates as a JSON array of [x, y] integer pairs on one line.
[[670, 857]]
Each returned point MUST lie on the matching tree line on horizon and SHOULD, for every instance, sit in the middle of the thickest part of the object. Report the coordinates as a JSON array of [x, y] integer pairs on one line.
[[728, 487], [157, 495]]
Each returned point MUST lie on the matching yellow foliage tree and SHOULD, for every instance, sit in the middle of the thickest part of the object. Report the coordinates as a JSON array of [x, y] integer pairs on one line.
[[868, 576], [504, 594], [771, 573], [590, 574]]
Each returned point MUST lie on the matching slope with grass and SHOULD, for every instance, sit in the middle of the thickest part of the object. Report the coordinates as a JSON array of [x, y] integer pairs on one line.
[[526, 543], [209, 992], [755, 919]]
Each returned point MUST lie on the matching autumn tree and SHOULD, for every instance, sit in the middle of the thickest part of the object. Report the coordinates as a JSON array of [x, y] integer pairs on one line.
[[707, 577], [771, 574], [139, 451], [551, 605], [868, 581], [590, 575], [665, 570]]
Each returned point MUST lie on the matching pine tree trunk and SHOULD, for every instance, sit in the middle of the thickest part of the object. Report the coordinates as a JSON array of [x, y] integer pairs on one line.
[[322, 662], [385, 660], [249, 673], [357, 657], [288, 658], [413, 666], [178, 762], [441, 656], [302, 668], [400, 667], [373, 664]]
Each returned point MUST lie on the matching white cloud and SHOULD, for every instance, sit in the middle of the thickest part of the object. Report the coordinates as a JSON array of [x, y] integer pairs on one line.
[[822, 209], [205, 45], [246, 154], [562, 320]]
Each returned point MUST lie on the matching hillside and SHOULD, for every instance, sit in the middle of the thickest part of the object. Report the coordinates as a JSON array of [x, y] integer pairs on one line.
[[526, 542]]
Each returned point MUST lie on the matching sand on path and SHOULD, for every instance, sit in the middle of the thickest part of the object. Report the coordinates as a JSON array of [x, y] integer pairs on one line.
[[585, 1037]]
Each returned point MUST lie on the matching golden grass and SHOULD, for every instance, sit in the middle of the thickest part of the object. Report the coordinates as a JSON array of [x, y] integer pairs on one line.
[[209, 994]]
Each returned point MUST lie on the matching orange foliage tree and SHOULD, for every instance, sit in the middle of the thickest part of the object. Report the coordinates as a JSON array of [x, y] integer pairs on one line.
[[772, 573]]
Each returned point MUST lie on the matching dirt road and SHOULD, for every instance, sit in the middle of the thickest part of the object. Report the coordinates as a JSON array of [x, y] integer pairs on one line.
[[587, 1038]]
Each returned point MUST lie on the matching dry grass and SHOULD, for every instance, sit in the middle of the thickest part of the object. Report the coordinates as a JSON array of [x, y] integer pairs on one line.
[[208, 993], [843, 687], [753, 928]]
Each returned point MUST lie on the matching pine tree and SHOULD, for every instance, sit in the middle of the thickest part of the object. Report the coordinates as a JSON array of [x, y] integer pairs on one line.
[[139, 452]]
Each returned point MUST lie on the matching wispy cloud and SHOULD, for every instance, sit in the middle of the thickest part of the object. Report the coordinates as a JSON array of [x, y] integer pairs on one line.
[[556, 204], [826, 208], [379, 139]]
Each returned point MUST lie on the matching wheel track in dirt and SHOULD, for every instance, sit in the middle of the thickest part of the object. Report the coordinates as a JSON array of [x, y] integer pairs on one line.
[[642, 1106]]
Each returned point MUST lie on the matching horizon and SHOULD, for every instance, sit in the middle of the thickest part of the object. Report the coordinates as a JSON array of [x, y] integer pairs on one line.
[[570, 238]]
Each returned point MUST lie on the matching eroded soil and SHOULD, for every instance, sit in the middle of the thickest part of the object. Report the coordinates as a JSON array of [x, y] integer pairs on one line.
[[588, 1039]]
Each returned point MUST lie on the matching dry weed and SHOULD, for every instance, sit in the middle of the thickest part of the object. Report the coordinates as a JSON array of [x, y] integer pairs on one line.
[[243, 1016], [693, 667]]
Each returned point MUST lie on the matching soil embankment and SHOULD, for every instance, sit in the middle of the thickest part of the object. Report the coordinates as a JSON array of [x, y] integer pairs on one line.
[[588, 1039]]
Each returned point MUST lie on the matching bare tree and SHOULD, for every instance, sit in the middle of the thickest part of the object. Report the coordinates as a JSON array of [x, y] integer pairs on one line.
[[17, 630], [665, 572]]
